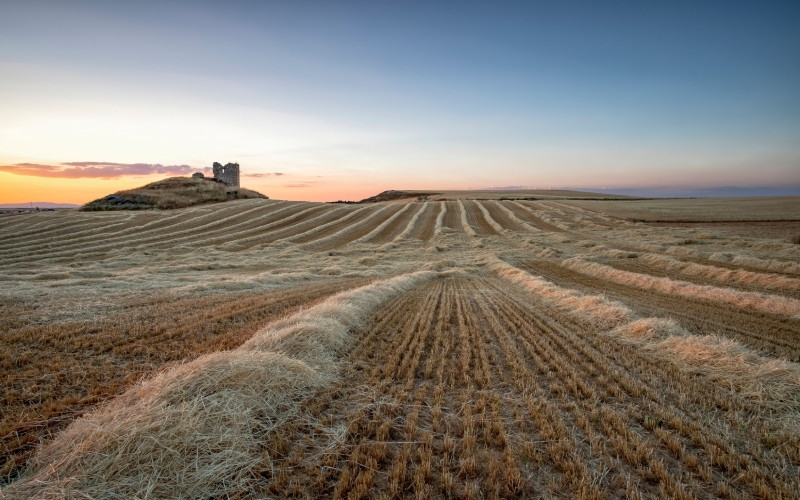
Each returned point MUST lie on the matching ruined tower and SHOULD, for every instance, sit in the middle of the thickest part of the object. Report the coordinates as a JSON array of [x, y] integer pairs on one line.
[[229, 174]]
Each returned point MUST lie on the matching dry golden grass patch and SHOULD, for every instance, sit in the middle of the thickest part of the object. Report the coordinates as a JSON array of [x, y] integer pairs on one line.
[[461, 348], [174, 192], [774, 208]]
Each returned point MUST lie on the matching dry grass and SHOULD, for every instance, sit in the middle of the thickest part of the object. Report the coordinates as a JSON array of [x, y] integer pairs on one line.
[[749, 300], [213, 410], [547, 351], [174, 192], [699, 209]]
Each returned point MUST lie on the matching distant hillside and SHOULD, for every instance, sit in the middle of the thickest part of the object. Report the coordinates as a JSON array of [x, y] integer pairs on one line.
[[491, 194], [38, 204], [396, 195], [174, 192]]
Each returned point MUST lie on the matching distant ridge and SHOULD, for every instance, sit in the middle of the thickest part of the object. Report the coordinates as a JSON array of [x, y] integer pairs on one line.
[[38, 204]]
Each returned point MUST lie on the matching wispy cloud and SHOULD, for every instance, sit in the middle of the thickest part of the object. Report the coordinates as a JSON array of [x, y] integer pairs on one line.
[[96, 169], [300, 184], [264, 174]]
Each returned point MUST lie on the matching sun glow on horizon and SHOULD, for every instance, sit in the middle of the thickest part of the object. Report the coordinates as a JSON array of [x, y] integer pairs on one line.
[[347, 102]]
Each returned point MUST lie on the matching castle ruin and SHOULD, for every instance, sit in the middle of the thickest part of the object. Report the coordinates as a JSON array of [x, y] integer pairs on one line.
[[229, 174]]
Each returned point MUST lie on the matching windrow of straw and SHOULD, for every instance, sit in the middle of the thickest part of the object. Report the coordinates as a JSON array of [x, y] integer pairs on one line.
[[437, 228], [774, 383], [778, 266], [412, 224], [723, 274], [464, 222], [748, 300], [489, 219], [194, 431], [383, 225], [593, 309]]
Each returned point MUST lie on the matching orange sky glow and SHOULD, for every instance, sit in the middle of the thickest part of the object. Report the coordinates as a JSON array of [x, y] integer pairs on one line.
[[328, 101]]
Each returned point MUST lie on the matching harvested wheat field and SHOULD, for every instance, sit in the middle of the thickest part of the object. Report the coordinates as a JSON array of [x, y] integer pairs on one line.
[[465, 348]]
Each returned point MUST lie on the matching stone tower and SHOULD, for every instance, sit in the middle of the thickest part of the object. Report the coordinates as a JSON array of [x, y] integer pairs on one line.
[[229, 174]]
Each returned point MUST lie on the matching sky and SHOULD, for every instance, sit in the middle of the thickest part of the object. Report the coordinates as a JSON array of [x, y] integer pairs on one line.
[[328, 100]]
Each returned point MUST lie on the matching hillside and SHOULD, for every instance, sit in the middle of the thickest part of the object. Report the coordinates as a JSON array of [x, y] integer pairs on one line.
[[174, 192], [491, 194], [443, 349]]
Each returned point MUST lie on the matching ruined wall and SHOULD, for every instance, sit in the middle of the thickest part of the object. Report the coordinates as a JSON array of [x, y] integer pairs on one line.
[[229, 174]]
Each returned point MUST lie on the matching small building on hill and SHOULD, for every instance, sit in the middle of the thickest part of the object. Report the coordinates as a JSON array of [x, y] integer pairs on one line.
[[229, 174], [198, 175]]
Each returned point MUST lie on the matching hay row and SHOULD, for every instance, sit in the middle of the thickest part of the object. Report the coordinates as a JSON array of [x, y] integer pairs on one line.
[[194, 430], [774, 383], [749, 300]]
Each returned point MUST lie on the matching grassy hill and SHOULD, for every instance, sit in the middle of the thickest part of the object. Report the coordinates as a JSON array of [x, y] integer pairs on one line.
[[174, 192]]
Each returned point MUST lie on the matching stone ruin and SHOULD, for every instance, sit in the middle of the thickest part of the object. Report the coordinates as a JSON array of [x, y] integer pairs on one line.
[[229, 174], [198, 175]]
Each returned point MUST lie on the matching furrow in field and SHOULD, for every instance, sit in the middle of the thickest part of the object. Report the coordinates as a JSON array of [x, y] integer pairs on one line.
[[504, 217], [354, 217], [149, 228], [452, 218], [528, 212], [70, 225], [756, 301], [27, 225], [96, 360], [327, 215], [356, 232], [767, 332], [113, 224], [397, 225], [616, 391], [477, 220], [423, 225], [586, 218], [666, 267], [158, 233], [254, 233], [460, 387], [261, 218], [210, 225], [277, 219], [396, 213]]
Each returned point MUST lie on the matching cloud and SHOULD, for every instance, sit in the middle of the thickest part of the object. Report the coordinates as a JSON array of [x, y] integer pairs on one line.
[[300, 184], [96, 169], [264, 174]]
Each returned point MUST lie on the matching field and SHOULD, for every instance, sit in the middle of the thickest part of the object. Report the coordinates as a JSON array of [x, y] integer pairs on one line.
[[463, 348]]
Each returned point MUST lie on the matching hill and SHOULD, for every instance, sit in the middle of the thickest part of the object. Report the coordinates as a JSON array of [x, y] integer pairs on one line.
[[491, 194], [174, 192]]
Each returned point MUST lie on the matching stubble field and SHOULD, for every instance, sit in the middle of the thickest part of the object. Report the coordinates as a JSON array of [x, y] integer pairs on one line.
[[462, 348]]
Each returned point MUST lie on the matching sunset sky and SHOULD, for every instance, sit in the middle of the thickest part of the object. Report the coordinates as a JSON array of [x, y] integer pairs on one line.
[[343, 99]]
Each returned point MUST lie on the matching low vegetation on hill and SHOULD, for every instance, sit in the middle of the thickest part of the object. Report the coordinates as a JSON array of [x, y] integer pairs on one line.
[[396, 195], [174, 192]]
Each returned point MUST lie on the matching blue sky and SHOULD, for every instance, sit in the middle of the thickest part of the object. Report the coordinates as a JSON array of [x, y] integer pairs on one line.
[[351, 98]]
